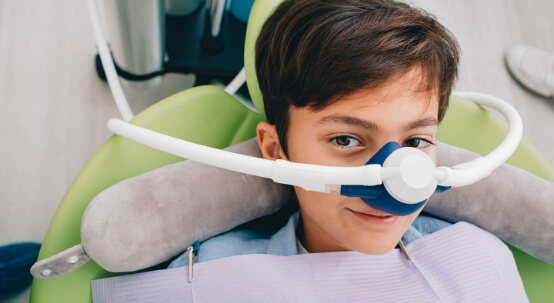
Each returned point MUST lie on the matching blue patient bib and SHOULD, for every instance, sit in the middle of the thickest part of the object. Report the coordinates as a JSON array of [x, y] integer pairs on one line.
[[460, 263]]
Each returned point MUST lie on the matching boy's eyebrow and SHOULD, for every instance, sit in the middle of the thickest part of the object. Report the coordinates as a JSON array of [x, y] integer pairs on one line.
[[352, 121], [429, 121]]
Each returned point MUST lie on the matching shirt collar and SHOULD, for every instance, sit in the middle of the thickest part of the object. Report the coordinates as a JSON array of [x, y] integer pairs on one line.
[[284, 242]]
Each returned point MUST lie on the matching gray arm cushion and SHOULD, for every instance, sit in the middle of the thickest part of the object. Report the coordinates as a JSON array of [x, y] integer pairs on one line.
[[146, 220], [513, 204]]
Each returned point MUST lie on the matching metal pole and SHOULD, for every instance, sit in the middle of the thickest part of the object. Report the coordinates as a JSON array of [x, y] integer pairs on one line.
[[136, 33]]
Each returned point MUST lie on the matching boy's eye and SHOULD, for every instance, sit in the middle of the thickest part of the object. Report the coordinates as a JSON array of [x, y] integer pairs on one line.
[[345, 141], [417, 143]]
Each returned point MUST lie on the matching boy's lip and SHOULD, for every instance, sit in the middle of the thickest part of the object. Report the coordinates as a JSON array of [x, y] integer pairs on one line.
[[374, 216]]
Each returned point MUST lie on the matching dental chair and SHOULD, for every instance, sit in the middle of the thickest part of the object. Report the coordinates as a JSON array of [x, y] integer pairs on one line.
[[210, 116]]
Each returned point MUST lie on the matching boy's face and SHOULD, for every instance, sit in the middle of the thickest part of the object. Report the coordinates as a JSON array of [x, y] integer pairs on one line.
[[348, 133]]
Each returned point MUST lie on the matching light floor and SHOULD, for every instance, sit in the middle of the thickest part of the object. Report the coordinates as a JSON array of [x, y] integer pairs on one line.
[[53, 108]]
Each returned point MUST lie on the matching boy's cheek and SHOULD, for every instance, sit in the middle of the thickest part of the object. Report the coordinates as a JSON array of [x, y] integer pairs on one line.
[[306, 198], [432, 153]]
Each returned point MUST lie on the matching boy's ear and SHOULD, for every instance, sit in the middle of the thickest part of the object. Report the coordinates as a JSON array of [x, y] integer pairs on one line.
[[269, 141]]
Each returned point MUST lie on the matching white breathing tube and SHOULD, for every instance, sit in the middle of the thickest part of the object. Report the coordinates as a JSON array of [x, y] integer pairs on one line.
[[470, 172], [325, 178]]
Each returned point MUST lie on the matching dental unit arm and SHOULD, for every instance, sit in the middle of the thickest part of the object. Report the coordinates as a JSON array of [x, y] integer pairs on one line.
[[408, 174]]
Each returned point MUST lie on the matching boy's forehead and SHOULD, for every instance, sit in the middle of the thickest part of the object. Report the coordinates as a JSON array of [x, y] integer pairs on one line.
[[415, 81], [413, 87], [371, 109], [414, 84]]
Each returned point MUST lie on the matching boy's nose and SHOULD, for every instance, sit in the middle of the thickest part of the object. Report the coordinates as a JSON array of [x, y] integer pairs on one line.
[[395, 196]]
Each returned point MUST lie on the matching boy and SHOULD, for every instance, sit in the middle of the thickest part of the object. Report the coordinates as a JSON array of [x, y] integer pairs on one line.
[[340, 79]]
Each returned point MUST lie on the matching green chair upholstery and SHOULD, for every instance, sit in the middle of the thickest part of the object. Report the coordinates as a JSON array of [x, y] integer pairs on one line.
[[205, 114], [208, 115], [468, 125]]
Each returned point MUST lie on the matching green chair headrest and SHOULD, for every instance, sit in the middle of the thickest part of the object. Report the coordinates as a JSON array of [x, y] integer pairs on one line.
[[261, 10]]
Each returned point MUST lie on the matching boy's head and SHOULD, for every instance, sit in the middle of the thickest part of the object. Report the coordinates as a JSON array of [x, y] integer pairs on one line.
[[312, 52], [339, 80]]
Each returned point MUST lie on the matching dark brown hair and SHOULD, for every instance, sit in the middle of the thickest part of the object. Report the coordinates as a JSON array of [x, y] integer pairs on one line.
[[313, 52]]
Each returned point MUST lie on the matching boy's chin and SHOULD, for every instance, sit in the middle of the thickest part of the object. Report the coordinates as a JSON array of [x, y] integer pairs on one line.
[[376, 248]]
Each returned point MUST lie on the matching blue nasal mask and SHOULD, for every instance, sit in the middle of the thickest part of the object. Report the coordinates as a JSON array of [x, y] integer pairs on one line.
[[377, 196]]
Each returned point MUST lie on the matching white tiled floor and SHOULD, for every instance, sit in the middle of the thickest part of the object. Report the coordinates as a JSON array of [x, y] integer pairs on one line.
[[53, 108]]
